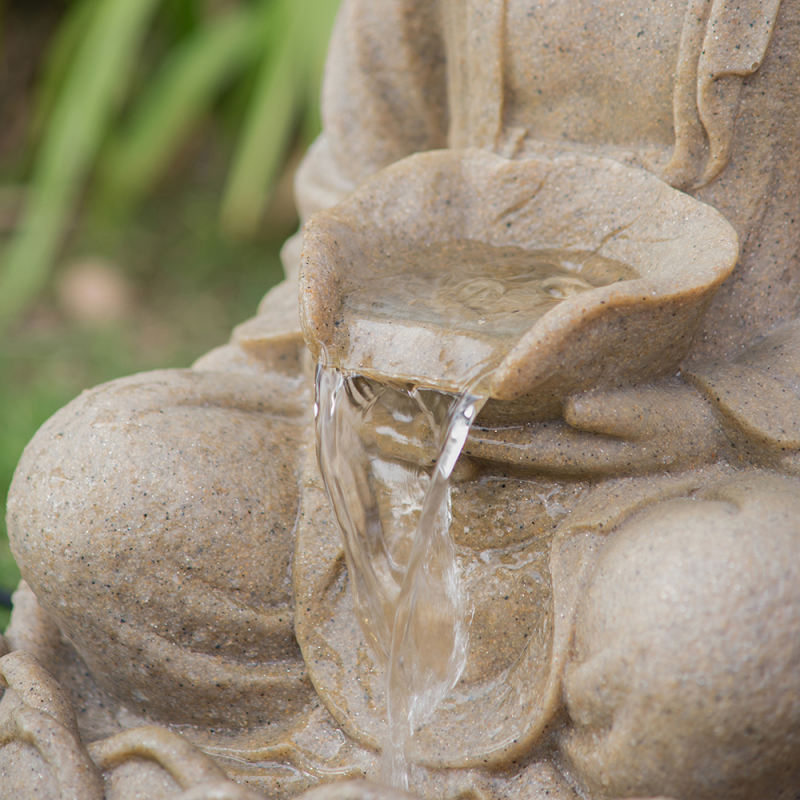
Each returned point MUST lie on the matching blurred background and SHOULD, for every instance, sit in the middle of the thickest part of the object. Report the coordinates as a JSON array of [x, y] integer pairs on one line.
[[146, 159]]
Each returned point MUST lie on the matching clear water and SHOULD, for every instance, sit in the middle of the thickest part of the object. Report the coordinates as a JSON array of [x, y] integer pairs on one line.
[[386, 456], [445, 317], [442, 316]]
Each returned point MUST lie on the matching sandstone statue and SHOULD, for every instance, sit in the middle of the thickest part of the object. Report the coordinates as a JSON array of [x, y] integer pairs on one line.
[[185, 626]]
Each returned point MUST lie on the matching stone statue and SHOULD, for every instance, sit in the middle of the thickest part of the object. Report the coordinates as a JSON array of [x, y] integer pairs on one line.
[[185, 627]]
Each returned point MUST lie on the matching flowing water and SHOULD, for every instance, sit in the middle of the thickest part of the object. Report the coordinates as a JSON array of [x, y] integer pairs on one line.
[[445, 316], [387, 447], [394, 515]]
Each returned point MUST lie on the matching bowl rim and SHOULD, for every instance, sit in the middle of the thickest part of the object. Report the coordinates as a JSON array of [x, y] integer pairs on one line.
[[379, 201]]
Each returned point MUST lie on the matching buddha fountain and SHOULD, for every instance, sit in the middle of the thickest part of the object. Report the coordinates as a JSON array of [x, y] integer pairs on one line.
[[584, 221]]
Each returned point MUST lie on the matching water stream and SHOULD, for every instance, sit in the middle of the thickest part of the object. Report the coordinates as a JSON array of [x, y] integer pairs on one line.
[[386, 454], [444, 317]]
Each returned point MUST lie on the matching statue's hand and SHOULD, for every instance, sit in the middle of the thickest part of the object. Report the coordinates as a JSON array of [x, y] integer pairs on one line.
[[626, 431]]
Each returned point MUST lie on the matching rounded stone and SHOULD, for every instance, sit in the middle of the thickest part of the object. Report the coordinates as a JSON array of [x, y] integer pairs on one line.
[[153, 517], [684, 680]]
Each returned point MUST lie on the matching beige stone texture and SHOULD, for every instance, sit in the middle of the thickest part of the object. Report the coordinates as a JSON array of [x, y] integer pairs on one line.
[[185, 627]]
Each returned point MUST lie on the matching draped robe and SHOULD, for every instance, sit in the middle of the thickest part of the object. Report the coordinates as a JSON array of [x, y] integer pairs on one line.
[[412, 75]]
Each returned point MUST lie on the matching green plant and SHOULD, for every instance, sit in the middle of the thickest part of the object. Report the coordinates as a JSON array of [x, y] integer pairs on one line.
[[124, 84]]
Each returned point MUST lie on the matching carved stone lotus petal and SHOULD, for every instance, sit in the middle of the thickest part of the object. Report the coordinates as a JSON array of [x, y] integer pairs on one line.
[[636, 329]]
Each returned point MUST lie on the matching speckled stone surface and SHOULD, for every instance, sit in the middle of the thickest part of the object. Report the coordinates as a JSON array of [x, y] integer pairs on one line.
[[185, 627]]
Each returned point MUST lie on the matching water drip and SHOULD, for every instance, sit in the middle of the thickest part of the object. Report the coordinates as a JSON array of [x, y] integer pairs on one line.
[[428, 328], [386, 454]]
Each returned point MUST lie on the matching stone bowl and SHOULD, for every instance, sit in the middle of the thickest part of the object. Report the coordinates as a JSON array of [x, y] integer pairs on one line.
[[679, 250]]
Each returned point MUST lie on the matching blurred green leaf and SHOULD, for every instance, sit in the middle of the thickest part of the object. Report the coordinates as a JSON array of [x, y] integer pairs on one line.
[[288, 87], [319, 25], [57, 59], [181, 91], [267, 52], [182, 16], [268, 125], [79, 120]]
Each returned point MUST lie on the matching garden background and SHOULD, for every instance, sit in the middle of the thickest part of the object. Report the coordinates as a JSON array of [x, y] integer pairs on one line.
[[146, 160]]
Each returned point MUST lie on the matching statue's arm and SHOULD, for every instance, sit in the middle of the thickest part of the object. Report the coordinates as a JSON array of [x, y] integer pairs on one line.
[[744, 410], [384, 96], [757, 397]]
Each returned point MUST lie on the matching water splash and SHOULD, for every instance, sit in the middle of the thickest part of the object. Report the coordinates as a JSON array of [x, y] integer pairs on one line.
[[386, 454], [431, 626]]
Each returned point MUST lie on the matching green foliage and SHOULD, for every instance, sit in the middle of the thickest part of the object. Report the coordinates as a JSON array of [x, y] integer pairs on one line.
[[80, 117], [125, 85], [57, 60], [181, 91], [290, 66]]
